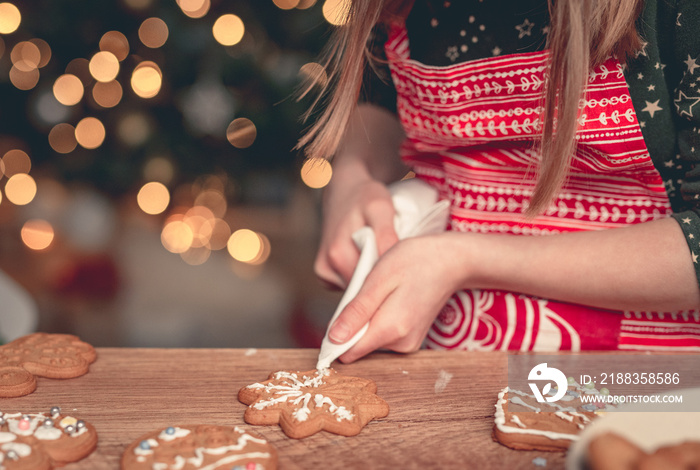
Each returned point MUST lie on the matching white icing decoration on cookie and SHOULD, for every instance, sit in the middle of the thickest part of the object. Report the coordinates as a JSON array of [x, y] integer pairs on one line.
[[564, 416], [201, 452], [179, 432], [47, 433], [13, 426], [22, 450], [517, 421], [340, 411], [151, 444], [7, 437], [284, 393], [500, 420]]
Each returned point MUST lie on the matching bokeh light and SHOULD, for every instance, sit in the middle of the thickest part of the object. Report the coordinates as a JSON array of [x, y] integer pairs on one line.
[[228, 30], [304, 4], [68, 89], [104, 66], [10, 18], [196, 256], [241, 133], [286, 4], [194, 8], [116, 43], [153, 198], [213, 200], [153, 32], [15, 162], [37, 234], [247, 246], [159, 169], [146, 79], [24, 80], [20, 189], [336, 11], [314, 72], [62, 138], [25, 56], [176, 236], [107, 94], [44, 50], [90, 133], [316, 172]]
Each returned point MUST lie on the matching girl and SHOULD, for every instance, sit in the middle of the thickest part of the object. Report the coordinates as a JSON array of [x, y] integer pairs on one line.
[[563, 134]]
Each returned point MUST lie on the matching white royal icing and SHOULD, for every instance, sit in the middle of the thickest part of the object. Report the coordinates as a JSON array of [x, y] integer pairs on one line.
[[22, 450], [201, 452], [294, 394], [179, 432], [48, 433]]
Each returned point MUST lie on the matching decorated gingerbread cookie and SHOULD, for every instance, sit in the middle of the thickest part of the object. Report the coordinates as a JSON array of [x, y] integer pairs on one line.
[[42, 441], [55, 356], [200, 446], [304, 403], [521, 422]]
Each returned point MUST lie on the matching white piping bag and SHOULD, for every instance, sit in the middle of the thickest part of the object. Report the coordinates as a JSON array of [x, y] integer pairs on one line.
[[418, 212]]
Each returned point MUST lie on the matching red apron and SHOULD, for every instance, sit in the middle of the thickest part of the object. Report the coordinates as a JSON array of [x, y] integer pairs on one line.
[[470, 131]]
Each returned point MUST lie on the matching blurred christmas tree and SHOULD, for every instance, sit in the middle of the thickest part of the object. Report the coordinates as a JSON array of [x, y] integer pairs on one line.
[[117, 93]]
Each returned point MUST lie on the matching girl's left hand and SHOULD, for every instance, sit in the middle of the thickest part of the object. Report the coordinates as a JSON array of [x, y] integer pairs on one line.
[[403, 294]]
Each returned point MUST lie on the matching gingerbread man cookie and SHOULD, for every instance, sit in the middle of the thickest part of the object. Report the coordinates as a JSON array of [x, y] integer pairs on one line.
[[55, 356], [304, 403], [200, 446], [521, 422], [43, 441]]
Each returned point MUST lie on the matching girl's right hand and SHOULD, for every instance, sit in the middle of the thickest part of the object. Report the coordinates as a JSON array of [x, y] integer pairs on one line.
[[348, 206]]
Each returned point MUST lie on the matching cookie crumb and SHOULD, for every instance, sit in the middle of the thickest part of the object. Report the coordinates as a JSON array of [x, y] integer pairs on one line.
[[443, 379], [251, 352], [539, 462]]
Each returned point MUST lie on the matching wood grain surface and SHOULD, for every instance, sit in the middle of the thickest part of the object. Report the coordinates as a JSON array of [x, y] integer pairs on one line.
[[442, 406]]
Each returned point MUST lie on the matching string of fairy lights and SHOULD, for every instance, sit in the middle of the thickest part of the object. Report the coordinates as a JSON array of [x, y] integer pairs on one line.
[[193, 231]]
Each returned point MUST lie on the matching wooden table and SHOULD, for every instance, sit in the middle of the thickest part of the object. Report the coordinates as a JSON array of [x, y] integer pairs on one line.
[[433, 423]]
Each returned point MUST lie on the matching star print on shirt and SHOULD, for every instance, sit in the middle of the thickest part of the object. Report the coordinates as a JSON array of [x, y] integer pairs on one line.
[[643, 50], [452, 53], [692, 65], [651, 87], [685, 103], [686, 220], [651, 108], [525, 29]]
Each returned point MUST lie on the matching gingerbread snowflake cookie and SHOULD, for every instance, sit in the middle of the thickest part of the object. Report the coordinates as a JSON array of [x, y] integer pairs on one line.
[[55, 356], [199, 447], [43, 441], [521, 422], [304, 403]]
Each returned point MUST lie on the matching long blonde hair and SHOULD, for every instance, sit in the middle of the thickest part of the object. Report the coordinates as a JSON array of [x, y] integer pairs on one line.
[[583, 34]]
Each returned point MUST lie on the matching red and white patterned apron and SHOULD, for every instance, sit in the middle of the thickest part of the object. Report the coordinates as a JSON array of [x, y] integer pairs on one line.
[[470, 130]]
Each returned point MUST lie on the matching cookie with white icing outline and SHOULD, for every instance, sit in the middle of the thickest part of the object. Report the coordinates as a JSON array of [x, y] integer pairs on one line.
[[43, 441], [523, 423], [200, 446], [56, 356], [304, 403]]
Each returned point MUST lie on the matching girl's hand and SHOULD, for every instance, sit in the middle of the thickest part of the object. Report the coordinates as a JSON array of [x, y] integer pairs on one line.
[[403, 295], [347, 208]]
